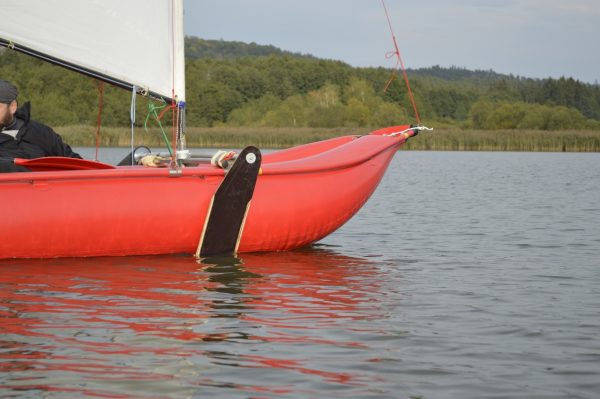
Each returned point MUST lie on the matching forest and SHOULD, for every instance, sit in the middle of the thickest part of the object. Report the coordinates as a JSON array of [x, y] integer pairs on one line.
[[235, 84]]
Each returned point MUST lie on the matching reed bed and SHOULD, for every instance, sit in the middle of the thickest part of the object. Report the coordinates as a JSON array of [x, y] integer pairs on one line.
[[201, 137], [437, 140], [507, 140]]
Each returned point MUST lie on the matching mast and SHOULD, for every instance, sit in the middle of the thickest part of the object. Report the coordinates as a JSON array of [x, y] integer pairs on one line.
[[178, 56]]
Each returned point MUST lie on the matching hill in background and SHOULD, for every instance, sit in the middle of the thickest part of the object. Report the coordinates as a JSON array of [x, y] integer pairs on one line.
[[235, 84], [197, 48], [452, 96]]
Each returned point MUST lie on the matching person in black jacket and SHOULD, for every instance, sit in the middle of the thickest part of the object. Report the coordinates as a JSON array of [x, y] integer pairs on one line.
[[21, 137]]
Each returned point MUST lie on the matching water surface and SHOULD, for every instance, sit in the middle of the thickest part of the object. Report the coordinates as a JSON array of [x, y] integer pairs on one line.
[[467, 275]]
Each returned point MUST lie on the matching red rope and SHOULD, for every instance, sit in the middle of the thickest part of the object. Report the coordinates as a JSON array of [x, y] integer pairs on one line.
[[400, 63], [164, 111], [99, 119]]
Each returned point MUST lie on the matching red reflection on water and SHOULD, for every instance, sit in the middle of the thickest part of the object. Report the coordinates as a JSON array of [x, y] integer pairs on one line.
[[86, 316], [99, 291], [324, 291]]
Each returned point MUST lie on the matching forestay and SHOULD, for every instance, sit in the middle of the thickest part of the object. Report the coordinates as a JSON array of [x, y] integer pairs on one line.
[[129, 43]]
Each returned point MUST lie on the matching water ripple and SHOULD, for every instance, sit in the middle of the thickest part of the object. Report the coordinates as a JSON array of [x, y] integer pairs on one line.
[[475, 275]]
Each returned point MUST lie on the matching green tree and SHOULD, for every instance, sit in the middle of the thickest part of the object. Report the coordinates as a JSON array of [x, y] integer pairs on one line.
[[388, 114], [480, 112], [505, 115], [293, 111], [356, 113], [253, 113], [213, 103]]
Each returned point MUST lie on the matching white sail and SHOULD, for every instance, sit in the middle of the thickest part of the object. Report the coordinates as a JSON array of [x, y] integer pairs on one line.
[[136, 42]]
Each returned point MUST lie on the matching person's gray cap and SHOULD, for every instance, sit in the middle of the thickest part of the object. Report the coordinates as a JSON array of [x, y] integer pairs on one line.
[[8, 92]]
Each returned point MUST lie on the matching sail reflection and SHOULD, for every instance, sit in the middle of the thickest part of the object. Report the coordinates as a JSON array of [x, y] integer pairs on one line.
[[149, 319]]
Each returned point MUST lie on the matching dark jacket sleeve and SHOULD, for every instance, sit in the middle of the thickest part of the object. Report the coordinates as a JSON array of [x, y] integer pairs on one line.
[[62, 147], [9, 166], [51, 141]]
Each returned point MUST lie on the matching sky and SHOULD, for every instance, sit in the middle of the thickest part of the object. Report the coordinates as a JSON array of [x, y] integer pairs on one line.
[[529, 38]]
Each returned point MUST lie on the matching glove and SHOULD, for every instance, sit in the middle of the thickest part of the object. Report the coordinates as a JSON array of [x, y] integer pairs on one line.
[[221, 157], [152, 160]]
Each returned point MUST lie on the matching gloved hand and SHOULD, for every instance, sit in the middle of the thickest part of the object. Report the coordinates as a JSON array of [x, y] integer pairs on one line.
[[152, 160], [221, 157]]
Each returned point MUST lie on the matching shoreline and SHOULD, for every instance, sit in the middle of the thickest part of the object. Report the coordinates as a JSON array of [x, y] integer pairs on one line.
[[274, 138]]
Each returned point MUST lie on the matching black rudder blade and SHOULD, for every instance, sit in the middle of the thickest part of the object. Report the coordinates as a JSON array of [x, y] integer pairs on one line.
[[230, 203]]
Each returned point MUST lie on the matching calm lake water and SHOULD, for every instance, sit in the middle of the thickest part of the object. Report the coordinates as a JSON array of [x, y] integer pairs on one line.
[[467, 275]]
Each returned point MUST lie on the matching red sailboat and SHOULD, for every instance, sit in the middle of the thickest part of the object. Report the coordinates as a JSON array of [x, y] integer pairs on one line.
[[75, 208]]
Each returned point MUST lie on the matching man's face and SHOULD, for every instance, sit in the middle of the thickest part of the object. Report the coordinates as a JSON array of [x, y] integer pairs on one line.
[[6, 113]]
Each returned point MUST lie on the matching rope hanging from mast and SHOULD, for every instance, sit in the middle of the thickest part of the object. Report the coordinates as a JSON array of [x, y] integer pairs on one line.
[[99, 118], [399, 64]]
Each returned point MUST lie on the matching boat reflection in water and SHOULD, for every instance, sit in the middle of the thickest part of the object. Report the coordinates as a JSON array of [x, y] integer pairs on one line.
[[263, 324]]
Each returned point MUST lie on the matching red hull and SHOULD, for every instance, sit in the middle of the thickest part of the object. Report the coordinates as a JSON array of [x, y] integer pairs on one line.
[[303, 194]]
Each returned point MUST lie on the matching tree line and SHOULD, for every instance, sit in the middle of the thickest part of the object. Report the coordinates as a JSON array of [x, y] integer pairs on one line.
[[235, 84]]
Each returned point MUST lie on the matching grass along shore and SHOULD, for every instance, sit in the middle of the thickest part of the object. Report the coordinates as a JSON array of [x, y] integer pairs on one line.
[[437, 140]]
